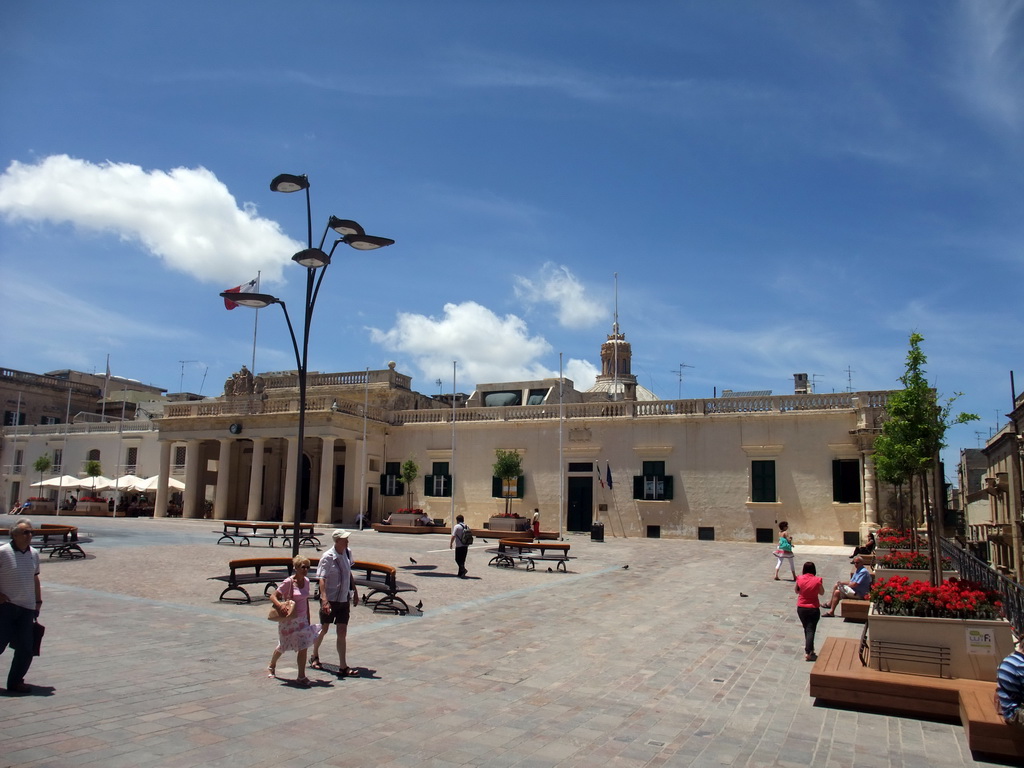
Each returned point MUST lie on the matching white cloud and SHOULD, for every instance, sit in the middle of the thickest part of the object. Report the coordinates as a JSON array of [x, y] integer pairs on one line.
[[557, 286], [185, 217], [488, 348], [987, 47]]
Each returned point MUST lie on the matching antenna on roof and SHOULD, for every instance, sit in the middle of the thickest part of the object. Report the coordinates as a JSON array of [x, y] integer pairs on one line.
[[679, 373], [849, 378]]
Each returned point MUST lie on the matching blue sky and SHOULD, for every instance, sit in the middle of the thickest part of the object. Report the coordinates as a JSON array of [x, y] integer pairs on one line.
[[781, 187]]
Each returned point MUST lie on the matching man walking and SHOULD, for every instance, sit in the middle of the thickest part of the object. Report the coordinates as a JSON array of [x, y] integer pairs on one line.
[[20, 601], [459, 541], [337, 596]]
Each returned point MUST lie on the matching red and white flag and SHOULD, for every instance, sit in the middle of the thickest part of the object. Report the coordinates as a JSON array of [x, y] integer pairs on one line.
[[597, 471], [249, 287]]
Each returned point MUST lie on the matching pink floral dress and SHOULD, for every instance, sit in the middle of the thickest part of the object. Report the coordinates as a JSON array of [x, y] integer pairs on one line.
[[296, 633]]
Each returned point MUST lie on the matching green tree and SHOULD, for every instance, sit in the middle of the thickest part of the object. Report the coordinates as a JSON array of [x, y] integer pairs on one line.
[[410, 471], [912, 437], [42, 464], [508, 467], [94, 470]]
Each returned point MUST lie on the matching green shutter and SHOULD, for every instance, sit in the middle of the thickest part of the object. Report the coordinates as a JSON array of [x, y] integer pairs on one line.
[[638, 486], [428, 485], [520, 486], [496, 487], [668, 487]]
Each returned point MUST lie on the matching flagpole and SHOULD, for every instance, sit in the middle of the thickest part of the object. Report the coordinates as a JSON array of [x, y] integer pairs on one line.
[[561, 449], [64, 449], [106, 381], [451, 468], [255, 325]]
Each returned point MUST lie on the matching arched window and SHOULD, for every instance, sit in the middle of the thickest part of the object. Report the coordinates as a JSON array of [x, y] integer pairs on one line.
[[93, 455]]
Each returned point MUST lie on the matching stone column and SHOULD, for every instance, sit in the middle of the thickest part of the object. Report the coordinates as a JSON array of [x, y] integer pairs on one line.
[[220, 499], [193, 492], [325, 502], [870, 504], [254, 510], [290, 479], [164, 472]]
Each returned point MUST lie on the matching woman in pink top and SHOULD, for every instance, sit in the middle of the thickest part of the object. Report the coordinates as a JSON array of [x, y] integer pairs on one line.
[[809, 589]]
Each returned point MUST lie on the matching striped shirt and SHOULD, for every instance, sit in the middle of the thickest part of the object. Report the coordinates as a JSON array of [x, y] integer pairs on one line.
[[18, 571], [1010, 684]]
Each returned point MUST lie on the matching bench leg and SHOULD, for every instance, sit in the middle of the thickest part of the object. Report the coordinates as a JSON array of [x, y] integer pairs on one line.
[[235, 588], [392, 604], [561, 566], [225, 536]]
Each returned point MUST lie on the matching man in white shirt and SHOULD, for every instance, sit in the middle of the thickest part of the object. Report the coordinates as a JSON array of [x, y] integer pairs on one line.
[[20, 601], [337, 596]]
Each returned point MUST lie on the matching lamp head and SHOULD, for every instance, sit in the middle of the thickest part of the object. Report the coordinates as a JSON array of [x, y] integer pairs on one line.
[[287, 182], [253, 300], [312, 258], [367, 242], [345, 226]]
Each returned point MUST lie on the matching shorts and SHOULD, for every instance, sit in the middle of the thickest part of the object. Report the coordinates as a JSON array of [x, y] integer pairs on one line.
[[848, 592], [339, 614]]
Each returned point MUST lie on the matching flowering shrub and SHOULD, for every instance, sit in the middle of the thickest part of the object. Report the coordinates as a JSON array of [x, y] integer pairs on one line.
[[408, 511], [37, 498], [893, 538], [953, 599], [92, 498], [919, 561]]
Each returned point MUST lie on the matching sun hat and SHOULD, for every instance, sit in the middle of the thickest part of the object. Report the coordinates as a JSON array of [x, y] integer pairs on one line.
[[340, 533]]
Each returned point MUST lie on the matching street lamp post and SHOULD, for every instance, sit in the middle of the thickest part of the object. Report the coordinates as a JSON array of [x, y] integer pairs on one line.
[[313, 259]]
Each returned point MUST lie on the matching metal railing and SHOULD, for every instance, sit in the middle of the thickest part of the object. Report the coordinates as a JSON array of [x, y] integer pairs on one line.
[[973, 569]]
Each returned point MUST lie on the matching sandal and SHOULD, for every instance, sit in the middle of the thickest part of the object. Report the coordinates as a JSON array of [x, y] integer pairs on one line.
[[348, 672], [314, 663], [305, 682], [271, 671]]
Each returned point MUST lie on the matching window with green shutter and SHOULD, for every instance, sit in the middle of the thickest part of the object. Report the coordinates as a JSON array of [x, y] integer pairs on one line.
[[762, 481]]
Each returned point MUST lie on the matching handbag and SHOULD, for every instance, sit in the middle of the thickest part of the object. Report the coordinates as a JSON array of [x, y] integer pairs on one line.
[[37, 638], [289, 609]]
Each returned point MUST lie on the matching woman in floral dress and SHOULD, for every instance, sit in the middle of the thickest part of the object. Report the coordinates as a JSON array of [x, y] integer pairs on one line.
[[295, 633]]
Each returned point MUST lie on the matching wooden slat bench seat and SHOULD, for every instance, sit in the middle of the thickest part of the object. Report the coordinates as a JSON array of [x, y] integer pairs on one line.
[[984, 726], [839, 677], [379, 581], [381, 528], [529, 552], [854, 610], [59, 540]]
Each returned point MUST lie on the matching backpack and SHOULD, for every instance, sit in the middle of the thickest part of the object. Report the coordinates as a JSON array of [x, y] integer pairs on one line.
[[467, 535]]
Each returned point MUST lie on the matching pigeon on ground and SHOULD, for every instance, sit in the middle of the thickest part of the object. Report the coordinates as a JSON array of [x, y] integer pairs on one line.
[[419, 606], [742, 595], [550, 571], [625, 567], [412, 561], [485, 541]]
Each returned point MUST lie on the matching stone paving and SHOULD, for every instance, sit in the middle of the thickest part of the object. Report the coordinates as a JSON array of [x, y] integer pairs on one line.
[[660, 664]]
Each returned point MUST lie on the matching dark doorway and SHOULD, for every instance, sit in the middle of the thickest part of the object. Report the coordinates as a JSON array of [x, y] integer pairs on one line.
[[581, 504], [339, 486], [304, 485]]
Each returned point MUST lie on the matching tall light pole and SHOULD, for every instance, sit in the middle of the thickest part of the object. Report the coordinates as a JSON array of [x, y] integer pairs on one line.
[[312, 259]]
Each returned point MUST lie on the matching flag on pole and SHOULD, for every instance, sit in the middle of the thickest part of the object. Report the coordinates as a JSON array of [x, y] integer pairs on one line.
[[597, 471], [244, 288], [608, 473]]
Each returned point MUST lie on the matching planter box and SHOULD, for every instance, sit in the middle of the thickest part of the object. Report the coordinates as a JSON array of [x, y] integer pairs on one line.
[[41, 508], [508, 524], [881, 572], [976, 647], [93, 508]]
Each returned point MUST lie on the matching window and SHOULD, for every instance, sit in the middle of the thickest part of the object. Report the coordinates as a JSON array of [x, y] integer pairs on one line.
[[505, 489], [49, 420], [497, 399], [653, 484], [762, 481], [390, 482], [581, 466], [438, 482], [179, 458], [846, 481], [93, 455], [19, 459], [58, 460], [13, 419], [536, 397], [131, 460]]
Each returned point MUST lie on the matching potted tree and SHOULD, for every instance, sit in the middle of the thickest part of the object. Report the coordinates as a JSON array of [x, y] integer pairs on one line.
[[410, 471], [40, 504]]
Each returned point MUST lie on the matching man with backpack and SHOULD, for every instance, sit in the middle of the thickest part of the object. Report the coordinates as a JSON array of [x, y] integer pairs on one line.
[[462, 537]]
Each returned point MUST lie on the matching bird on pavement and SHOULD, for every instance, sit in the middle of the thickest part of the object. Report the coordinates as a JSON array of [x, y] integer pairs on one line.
[[550, 571], [412, 561], [419, 606], [625, 567], [742, 595]]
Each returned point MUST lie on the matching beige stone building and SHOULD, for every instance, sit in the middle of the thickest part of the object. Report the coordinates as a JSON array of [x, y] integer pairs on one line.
[[726, 468]]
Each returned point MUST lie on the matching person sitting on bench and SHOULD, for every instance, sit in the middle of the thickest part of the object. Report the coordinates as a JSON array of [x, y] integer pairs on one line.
[[856, 588], [1010, 687], [867, 549]]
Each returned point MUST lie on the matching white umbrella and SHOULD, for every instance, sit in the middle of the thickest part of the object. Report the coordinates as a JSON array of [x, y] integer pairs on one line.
[[98, 483], [126, 483], [67, 481], [151, 483]]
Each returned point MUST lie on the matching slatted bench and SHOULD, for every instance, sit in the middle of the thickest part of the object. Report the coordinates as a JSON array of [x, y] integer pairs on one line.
[[269, 571], [983, 724], [59, 540], [381, 587], [509, 550]]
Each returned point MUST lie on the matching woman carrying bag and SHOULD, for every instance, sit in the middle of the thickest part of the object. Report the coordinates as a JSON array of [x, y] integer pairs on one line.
[[294, 632]]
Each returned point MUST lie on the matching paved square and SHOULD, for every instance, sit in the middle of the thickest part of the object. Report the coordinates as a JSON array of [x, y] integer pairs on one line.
[[660, 664]]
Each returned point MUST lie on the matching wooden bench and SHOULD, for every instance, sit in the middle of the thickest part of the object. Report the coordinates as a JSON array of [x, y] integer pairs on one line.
[[854, 610], [984, 726], [59, 540], [381, 581], [381, 528], [233, 529], [530, 552], [838, 676]]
